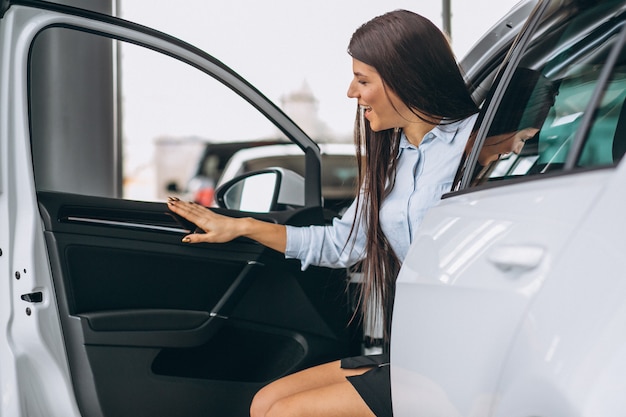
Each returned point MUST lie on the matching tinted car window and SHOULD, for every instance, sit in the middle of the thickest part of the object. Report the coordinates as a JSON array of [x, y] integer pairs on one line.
[[606, 142], [539, 115]]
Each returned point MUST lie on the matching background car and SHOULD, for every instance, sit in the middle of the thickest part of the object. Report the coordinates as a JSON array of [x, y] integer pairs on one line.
[[211, 162], [511, 299], [339, 169]]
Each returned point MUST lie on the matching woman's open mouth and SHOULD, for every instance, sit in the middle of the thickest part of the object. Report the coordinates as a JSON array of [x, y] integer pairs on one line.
[[364, 110]]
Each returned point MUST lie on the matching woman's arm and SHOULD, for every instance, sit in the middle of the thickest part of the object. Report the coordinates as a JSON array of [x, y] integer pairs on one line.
[[219, 229]]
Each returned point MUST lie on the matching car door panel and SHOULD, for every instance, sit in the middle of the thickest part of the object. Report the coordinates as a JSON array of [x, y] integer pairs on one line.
[[570, 345], [207, 324], [489, 300], [107, 312]]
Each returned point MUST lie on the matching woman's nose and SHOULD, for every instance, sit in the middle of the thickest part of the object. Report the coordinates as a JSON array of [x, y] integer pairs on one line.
[[352, 92]]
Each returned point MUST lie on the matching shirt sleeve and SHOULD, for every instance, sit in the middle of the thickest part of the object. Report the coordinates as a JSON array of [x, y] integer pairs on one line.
[[331, 246]]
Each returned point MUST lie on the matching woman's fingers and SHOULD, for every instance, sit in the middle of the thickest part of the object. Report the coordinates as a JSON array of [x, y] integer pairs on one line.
[[220, 229], [197, 238], [190, 211], [217, 228]]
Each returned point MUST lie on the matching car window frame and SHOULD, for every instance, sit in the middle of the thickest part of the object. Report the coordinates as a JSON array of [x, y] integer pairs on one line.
[[543, 12], [125, 31], [501, 81]]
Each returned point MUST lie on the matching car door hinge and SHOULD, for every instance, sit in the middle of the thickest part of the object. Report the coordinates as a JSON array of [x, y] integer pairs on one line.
[[33, 297]]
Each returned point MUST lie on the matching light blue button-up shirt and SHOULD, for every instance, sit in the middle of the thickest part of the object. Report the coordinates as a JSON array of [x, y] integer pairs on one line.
[[423, 174]]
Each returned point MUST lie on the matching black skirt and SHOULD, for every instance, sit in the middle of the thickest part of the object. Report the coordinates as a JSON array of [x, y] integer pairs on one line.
[[374, 386]]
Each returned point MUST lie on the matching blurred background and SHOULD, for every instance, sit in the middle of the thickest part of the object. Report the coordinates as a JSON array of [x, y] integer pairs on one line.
[[283, 46], [294, 52]]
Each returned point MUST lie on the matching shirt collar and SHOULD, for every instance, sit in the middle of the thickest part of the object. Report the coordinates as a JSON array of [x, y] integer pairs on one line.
[[444, 132]]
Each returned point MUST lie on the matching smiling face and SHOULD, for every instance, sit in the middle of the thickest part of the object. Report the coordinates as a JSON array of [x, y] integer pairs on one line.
[[384, 109]]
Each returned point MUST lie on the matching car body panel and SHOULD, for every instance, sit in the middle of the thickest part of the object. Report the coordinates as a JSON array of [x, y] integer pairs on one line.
[[477, 246], [42, 373], [569, 358]]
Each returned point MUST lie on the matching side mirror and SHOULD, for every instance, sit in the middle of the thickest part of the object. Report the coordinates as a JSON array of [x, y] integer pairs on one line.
[[262, 191]]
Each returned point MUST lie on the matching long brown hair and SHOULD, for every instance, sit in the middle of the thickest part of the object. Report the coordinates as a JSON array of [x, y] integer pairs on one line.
[[415, 61]]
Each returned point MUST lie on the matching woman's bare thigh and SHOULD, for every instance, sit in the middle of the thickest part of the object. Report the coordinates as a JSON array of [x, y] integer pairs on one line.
[[334, 400], [308, 380]]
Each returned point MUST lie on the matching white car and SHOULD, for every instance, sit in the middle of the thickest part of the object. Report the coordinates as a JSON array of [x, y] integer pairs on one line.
[[510, 302], [512, 299], [339, 169]]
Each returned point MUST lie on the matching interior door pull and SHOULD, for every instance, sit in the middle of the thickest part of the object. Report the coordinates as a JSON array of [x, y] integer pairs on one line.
[[516, 257], [240, 285]]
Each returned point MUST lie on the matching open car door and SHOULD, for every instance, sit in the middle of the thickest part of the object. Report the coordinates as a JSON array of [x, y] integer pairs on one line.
[[109, 308]]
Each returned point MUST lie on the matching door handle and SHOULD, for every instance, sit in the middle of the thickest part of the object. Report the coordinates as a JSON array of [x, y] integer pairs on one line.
[[233, 294], [516, 257]]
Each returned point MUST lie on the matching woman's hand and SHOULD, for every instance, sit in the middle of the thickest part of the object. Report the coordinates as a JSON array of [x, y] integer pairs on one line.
[[220, 229], [217, 228]]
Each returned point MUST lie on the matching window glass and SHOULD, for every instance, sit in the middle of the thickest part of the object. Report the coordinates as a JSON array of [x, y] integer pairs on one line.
[[539, 114], [606, 142], [111, 118]]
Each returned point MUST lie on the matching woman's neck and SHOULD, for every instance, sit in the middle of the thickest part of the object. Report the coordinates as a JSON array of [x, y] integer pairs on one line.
[[416, 131]]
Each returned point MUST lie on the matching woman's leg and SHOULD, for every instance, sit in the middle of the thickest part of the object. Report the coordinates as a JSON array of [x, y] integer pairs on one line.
[[322, 390]]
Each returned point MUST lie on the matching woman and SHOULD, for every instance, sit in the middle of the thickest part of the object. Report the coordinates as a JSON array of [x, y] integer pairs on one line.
[[415, 115]]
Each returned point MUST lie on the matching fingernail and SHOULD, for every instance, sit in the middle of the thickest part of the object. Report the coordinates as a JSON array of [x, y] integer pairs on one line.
[[186, 239], [170, 198]]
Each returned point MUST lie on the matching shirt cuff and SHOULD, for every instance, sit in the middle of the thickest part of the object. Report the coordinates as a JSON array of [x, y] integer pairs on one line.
[[296, 246], [294, 241]]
